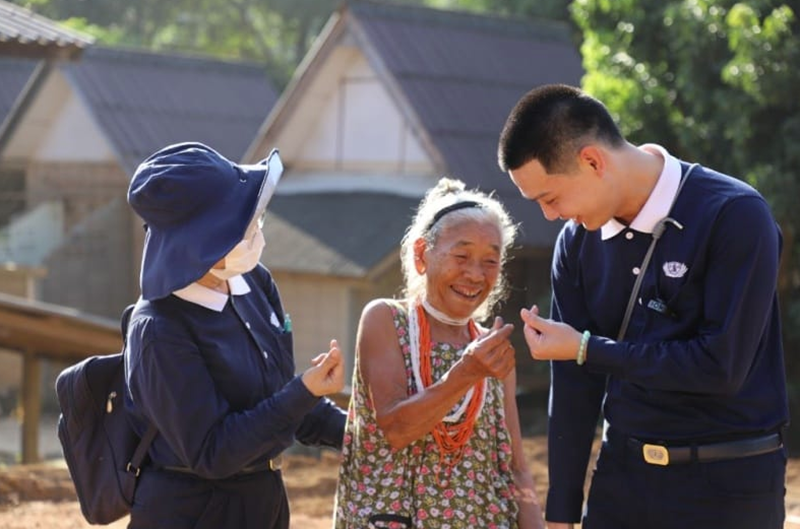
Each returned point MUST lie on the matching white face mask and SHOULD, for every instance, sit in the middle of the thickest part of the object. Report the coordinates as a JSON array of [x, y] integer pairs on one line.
[[242, 258]]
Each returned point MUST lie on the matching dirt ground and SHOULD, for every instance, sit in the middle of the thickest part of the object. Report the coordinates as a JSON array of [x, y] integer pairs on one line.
[[41, 496]]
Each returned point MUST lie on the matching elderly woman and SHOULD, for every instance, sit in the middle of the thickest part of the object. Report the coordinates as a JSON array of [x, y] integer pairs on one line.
[[210, 362], [432, 437]]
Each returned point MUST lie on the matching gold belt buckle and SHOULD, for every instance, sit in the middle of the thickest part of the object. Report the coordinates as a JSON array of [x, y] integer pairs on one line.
[[656, 454], [276, 463]]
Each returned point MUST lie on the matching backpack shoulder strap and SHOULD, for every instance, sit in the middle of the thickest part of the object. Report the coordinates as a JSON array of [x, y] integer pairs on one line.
[[135, 464], [123, 322]]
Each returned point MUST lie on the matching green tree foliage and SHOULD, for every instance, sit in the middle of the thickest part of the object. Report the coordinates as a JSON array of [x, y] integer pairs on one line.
[[715, 82]]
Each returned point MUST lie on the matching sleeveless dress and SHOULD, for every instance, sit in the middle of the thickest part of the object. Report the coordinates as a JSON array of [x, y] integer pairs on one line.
[[380, 487]]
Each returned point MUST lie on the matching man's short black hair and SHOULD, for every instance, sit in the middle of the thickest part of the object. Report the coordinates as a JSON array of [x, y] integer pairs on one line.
[[550, 124]]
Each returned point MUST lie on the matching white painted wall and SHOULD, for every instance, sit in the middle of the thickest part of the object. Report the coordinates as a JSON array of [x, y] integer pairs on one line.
[[58, 127], [74, 136], [346, 120], [360, 126], [38, 119]]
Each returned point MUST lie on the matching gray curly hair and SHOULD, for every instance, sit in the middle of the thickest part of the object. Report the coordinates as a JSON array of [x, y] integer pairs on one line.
[[446, 193]]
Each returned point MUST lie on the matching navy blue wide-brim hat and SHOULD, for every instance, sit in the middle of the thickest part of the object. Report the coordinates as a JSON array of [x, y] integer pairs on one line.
[[196, 205]]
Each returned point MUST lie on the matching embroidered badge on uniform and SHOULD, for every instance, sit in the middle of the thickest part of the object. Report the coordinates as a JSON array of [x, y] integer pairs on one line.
[[273, 319], [674, 269]]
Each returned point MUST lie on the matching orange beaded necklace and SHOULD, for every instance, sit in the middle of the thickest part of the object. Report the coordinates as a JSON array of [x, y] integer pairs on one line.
[[450, 437]]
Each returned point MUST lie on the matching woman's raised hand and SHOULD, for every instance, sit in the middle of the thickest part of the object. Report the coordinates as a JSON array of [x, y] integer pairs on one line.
[[326, 374]]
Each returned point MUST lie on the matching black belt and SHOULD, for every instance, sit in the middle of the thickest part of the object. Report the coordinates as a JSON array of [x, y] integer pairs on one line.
[[657, 454], [271, 465]]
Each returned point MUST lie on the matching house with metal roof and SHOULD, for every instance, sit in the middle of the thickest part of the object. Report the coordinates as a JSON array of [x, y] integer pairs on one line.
[[67, 154], [389, 99], [30, 46]]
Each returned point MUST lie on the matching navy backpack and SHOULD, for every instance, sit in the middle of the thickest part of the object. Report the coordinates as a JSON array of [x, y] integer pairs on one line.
[[104, 455]]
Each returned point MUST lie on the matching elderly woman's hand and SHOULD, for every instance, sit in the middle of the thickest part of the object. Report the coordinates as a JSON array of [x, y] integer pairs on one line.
[[491, 354], [326, 374]]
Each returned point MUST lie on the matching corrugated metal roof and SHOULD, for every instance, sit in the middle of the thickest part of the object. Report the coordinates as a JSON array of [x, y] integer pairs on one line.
[[14, 73], [144, 101], [24, 33], [341, 234], [461, 73]]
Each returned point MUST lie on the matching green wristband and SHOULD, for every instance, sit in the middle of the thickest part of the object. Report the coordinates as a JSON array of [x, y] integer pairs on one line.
[[582, 348]]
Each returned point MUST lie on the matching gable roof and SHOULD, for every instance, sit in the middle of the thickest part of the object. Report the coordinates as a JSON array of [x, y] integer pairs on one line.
[[455, 77], [26, 34], [461, 73], [144, 101], [344, 234]]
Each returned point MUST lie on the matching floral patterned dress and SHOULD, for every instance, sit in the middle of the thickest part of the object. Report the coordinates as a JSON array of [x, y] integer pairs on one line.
[[380, 487]]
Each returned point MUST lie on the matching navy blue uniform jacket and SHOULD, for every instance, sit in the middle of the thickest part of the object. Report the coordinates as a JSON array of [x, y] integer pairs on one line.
[[220, 386], [707, 366]]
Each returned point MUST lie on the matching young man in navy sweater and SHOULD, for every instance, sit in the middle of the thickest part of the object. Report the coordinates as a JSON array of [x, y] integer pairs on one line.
[[693, 392]]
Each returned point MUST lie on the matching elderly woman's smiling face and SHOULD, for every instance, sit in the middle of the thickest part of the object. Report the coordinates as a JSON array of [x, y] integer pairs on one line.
[[462, 268]]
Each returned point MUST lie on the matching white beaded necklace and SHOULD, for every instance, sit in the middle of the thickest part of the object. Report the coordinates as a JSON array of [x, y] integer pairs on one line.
[[413, 343]]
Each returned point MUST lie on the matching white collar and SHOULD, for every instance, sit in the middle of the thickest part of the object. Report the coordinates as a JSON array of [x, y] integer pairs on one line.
[[660, 199], [211, 299]]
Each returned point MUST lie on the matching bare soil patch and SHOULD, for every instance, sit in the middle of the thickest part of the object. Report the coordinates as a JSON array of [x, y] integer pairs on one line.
[[42, 495]]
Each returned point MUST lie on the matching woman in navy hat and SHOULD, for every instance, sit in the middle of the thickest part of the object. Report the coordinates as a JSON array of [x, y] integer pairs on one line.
[[210, 363]]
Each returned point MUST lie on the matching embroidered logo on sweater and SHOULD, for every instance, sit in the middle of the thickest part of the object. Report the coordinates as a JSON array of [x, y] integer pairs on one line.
[[674, 269], [273, 319]]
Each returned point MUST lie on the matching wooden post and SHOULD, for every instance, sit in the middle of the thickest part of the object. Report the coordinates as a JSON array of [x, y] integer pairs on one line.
[[31, 406]]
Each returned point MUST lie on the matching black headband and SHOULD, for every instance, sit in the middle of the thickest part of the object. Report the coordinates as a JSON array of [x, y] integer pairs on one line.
[[452, 207]]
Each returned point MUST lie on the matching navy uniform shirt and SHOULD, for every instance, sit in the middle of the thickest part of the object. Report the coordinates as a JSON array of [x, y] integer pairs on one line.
[[702, 358], [219, 382]]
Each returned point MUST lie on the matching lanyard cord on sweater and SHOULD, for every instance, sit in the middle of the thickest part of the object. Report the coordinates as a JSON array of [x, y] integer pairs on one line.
[[658, 231]]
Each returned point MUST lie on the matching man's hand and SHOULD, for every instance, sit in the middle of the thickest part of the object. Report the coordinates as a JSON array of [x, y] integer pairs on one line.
[[548, 339], [326, 374]]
